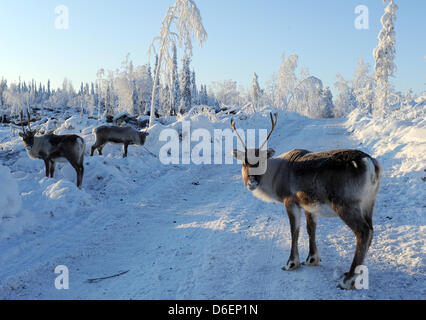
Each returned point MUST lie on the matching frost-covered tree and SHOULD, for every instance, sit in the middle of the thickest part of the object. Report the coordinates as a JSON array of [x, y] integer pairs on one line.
[[3, 88], [204, 99], [175, 84], [149, 89], [271, 91], [14, 99], [363, 87], [309, 99], [181, 23], [194, 92], [345, 101], [124, 87], [287, 79], [165, 100], [185, 87], [49, 92], [156, 89], [384, 55], [256, 92], [327, 103], [226, 92], [124, 91]]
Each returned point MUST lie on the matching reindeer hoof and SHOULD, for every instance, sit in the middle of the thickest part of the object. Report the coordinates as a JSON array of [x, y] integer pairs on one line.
[[312, 261], [348, 283], [291, 265]]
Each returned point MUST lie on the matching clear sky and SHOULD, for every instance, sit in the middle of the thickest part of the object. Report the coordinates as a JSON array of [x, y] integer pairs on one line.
[[244, 36]]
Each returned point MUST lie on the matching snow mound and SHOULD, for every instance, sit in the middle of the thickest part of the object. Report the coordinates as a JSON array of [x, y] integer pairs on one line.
[[10, 199], [13, 218]]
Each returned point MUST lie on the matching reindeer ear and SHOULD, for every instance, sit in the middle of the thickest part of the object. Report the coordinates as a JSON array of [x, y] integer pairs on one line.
[[238, 155], [270, 152]]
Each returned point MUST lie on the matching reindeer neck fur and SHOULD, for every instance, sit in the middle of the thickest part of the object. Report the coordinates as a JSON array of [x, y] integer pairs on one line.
[[268, 189], [35, 151]]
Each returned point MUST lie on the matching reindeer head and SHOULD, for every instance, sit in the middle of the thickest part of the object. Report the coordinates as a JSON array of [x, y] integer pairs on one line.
[[142, 137], [254, 161], [27, 135]]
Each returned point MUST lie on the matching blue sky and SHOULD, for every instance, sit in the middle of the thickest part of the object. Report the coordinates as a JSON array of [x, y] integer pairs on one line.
[[244, 36]]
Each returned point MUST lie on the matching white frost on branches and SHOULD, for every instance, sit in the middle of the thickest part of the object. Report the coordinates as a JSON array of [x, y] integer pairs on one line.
[[384, 55], [186, 19]]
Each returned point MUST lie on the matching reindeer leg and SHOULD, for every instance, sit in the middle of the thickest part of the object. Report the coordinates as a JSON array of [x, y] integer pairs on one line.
[[361, 225], [92, 150], [100, 149], [313, 258], [46, 164], [79, 169], [80, 175], [125, 146], [52, 168], [293, 211]]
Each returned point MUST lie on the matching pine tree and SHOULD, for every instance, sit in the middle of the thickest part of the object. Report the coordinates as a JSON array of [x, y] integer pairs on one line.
[[194, 92], [256, 91], [202, 97], [165, 100], [157, 91], [327, 102], [149, 85], [175, 84], [384, 55], [185, 86], [49, 93]]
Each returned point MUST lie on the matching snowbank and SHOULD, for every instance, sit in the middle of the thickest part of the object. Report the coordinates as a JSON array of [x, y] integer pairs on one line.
[[399, 143], [10, 199], [13, 218]]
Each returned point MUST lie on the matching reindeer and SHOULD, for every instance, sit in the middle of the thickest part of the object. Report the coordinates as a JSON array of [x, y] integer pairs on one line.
[[335, 183], [52, 148], [121, 135]]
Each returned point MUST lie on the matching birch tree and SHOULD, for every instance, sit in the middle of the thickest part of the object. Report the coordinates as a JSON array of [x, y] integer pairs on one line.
[[185, 19]]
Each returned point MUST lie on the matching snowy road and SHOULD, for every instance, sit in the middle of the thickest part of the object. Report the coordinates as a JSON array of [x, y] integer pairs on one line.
[[195, 232]]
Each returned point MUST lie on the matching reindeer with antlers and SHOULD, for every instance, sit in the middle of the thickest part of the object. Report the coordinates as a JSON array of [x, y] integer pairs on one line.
[[335, 183], [52, 148]]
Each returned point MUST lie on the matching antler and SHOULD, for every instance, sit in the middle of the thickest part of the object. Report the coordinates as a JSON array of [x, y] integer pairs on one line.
[[235, 130], [272, 129]]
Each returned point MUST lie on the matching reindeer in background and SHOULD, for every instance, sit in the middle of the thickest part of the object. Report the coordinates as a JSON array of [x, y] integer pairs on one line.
[[53, 148]]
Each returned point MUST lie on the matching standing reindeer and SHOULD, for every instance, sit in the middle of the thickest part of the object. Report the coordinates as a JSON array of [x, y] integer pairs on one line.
[[335, 183], [51, 148], [120, 135]]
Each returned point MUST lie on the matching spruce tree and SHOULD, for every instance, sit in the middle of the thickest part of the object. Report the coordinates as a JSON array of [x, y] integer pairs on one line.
[[175, 84], [384, 55], [185, 86]]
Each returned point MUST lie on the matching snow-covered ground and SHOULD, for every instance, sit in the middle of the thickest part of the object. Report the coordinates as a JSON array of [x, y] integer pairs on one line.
[[194, 231]]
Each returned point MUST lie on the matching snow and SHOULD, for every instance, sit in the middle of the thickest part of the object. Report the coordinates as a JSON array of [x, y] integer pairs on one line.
[[194, 231], [10, 200]]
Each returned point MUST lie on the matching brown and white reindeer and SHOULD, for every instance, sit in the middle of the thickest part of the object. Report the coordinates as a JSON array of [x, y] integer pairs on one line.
[[335, 183], [53, 148], [120, 135]]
